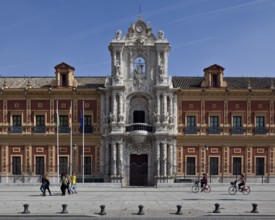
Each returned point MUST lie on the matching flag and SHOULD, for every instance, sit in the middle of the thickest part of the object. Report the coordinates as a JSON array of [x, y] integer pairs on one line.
[[81, 120], [57, 116], [70, 116]]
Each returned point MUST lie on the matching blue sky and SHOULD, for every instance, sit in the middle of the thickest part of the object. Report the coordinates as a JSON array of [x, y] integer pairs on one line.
[[36, 35]]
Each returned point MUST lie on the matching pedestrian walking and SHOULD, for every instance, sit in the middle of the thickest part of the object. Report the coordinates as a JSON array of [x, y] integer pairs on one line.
[[73, 183]]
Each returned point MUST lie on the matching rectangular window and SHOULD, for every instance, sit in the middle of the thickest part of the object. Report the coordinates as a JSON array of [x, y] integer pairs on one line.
[[214, 121], [16, 165], [214, 166], [237, 121], [191, 166], [260, 166], [16, 120], [40, 120], [63, 120], [237, 166], [260, 121], [87, 120], [39, 165], [87, 165], [63, 165], [191, 121]]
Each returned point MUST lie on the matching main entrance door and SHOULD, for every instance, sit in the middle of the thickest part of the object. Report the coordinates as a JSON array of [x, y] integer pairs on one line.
[[138, 170]]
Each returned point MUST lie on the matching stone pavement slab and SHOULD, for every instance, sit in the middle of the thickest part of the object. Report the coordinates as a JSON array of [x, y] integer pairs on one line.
[[124, 202]]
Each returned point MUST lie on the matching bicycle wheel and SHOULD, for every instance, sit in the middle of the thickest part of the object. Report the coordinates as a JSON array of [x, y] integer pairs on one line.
[[232, 190], [246, 190], [195, 189], [207, 189]]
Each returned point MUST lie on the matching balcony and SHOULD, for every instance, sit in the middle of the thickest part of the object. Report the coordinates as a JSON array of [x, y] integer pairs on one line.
[[260, 130], [191, 130], [214, 130], [87, 129], [64, 129], [16, 129], [237, 130], [39, 129], [139, 127]]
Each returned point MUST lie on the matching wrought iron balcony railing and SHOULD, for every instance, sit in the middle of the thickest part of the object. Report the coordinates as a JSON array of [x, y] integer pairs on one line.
[[191, 130], [139, 127], [237, 130], [87, 129], [39, 129], [260, 130], [16, 129], [64, 129], [214, 130]]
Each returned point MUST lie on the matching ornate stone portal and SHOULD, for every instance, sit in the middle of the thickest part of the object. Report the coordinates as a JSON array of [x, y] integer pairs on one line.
[[139, 110]]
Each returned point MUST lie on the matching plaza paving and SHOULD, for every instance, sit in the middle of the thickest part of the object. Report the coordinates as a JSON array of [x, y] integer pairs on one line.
[[124, 202]]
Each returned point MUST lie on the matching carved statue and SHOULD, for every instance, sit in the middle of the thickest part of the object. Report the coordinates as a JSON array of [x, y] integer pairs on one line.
[[165, 117], [156, 117], [139, 69], [117, 69], [139, 76], [161, 69], [112, 117], [118, 34], [161, 35]]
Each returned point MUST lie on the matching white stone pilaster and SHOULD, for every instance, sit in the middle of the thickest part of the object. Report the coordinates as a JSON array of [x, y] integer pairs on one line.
[[164, 153], [113, 159], [119, 159], [107, 159]]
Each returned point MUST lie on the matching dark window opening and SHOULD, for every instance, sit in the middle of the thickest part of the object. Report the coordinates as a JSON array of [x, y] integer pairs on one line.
[[191, 166], [214, 166], [39, 165], [64, 80], [16, 165], [237, 166], [139, 117]]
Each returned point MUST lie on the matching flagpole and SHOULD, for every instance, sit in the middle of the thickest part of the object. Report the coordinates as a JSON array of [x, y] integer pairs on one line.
[[57, 140], [71, 139], [83, 148]]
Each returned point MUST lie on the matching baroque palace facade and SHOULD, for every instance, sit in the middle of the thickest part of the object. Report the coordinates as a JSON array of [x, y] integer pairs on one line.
[[140, 126]]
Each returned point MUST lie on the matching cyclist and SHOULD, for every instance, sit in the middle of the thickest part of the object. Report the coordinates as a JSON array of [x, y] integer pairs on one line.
[[242, 181], [203, 181]]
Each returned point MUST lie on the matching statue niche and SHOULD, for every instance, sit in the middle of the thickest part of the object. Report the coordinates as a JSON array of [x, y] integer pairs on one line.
[[139, 72]]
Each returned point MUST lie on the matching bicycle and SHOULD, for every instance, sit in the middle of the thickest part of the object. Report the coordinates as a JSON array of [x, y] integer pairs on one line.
[[233, 189], [196, 188]]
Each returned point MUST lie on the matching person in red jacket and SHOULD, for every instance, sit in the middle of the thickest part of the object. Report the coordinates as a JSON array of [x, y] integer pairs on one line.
[[203, 181]]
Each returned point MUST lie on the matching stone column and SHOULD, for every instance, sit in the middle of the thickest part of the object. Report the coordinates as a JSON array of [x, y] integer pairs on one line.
[[107, 159], [119, 159], [158, 158], [121, 112], [114, 104], [170, 159], [113, 159], [164, 104], [158, 103], [175, 158], [131, 63], [164, 153]]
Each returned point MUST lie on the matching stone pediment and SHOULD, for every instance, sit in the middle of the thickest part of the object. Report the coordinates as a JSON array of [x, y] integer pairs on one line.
[[64, 66]]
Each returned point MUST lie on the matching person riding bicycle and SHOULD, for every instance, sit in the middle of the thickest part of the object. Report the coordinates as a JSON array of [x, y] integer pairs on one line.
[[203, 181], [241, 180]]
